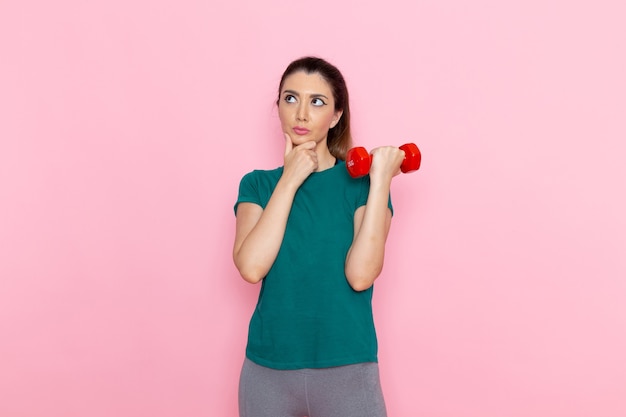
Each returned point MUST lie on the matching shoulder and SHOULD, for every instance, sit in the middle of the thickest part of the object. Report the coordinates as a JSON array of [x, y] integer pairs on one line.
[[257, 186], [262, 175]]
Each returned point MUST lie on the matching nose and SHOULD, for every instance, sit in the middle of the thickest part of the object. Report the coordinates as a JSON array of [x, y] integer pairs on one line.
[[303, 112]]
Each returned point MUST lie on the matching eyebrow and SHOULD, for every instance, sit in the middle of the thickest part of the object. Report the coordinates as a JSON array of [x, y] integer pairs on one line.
[[295, 93]]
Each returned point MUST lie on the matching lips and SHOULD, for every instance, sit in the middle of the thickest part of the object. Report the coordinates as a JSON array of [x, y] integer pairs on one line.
[[300, 130]]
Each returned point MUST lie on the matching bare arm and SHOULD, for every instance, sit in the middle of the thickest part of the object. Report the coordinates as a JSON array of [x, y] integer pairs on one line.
[[365, 258], [259, 233]]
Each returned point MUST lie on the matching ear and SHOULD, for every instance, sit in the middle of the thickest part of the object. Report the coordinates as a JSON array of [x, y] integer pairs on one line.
[[336, 118]]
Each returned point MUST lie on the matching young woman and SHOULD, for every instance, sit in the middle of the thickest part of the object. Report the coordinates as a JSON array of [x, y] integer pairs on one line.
[[314, 237]]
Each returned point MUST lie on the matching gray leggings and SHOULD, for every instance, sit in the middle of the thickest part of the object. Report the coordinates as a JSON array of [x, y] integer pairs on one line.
[[344, 391]]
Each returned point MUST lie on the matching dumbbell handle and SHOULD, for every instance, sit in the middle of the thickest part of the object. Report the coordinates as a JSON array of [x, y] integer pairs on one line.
[[359, 161]]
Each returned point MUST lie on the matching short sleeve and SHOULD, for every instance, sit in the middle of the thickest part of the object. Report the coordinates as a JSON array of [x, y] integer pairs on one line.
[[364, 193], [248, 190]]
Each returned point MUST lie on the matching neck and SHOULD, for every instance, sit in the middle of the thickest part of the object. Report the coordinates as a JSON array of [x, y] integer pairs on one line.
[[325, 159]]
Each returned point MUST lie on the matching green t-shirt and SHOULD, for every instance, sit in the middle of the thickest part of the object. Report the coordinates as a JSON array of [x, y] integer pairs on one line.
[[307, 315]]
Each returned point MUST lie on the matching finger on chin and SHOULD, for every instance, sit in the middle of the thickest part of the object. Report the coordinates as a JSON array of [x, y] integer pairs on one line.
[[288, 143]]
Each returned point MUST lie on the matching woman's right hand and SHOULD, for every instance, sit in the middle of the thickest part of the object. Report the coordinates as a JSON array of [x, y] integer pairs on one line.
[[300, 161]]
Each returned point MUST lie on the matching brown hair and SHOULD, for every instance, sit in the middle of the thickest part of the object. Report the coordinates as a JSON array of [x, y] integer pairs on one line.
[[339, 138]]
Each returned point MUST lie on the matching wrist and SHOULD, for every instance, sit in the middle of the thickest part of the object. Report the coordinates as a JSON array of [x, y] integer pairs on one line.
[[287, 185], [380, 182]]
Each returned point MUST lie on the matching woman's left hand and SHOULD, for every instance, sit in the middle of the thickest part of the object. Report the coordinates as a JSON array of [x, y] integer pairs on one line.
[[386, 161]]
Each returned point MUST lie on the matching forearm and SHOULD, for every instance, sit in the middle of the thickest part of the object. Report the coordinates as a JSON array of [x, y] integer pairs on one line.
[[365, 258], [258, 250]]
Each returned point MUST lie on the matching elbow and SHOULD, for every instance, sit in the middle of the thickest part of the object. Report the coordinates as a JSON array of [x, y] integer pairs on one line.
[[251, 279], [251, 275], [363, 280], [360, 286], [361, 271]]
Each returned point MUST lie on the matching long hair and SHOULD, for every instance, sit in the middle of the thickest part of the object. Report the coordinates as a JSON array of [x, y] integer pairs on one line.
[[339, 138]]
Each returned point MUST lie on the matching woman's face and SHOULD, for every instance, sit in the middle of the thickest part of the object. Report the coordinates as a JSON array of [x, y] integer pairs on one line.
[[307, 108]]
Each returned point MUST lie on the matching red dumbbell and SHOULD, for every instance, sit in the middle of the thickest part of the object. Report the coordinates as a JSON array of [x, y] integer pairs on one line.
[[359, 161]]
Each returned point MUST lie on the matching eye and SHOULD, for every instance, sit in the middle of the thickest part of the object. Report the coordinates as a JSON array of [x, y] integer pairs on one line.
[[290, 99], [318, 102]]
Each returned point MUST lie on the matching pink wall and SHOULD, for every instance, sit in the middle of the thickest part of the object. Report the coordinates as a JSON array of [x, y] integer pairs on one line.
[[126, 126]]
